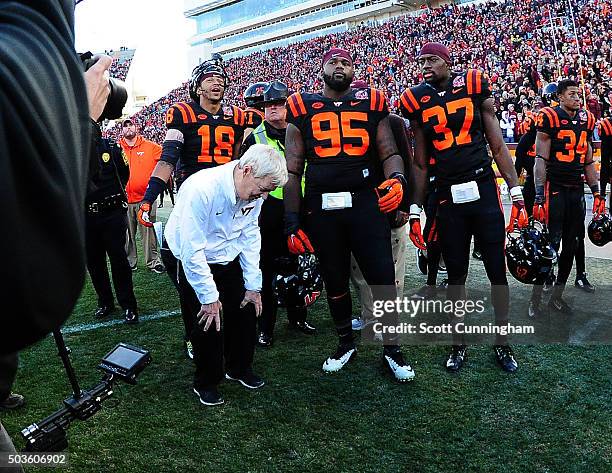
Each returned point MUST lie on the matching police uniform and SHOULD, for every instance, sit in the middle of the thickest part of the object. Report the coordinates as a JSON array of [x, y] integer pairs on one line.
[[273, 240], [106, 227], [452, 124], [339, 137], [564, 191]]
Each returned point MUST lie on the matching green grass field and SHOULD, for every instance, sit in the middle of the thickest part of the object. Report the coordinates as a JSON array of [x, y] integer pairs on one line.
[[552, 416]]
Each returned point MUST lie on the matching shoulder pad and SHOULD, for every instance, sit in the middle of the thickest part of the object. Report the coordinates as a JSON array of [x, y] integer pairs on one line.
[[378, 101], [475, 81], [409, 101], [548, 116], [296, 105], [180, 113]]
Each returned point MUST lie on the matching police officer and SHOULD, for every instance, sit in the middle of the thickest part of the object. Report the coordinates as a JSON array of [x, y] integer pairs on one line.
[[106, 227], [273, 241]]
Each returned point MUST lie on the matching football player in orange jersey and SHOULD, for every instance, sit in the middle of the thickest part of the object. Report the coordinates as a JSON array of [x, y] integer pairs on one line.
[[453, 118], [339, 132], [564, 152]]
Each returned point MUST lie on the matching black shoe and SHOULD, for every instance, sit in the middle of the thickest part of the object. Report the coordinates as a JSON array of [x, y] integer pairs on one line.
[[583, 283], [558, 304], [344, 353], [158, 268], [189, 349], [456, 357], [209, 397], [394, 360], [476, 254], [264, 340], [550, 282], [426, 292], [131, 316], [248, 379], [421, 261], [535, 310], [443, 284], [13, 401], [103, 311], [505, 358], [304, 327]]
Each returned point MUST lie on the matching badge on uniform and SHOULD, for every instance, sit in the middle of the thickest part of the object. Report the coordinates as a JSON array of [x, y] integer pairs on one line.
[[105, 157], [466, 192], [336, 200]]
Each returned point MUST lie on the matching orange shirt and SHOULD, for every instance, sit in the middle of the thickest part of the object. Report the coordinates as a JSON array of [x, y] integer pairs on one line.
[[142, 158]]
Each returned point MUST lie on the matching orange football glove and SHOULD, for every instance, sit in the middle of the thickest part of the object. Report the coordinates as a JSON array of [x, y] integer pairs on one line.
[[539, 213], [518, 216], [599, 204], [390, 195], [143, 214], [298, 243], [416, 234]]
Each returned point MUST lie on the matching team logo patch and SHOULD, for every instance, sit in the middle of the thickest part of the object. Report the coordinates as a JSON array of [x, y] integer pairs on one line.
[[201, 116], [337, 104], [441, 94], [582, 115], [228, 112], [459, 81], [425, 99], [355, 103], [455, 91], [361, 94], [106, 157], [317, 105], [522, 271], [564, 122]]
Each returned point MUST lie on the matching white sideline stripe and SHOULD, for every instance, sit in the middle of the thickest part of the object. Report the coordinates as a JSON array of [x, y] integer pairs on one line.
[[87, 327], [581, 336]]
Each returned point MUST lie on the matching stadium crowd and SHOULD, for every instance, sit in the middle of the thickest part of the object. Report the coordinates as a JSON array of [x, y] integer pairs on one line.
[[512, 41]]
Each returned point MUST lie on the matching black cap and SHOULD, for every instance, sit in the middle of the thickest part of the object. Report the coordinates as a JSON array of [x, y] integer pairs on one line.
[[275, 92]]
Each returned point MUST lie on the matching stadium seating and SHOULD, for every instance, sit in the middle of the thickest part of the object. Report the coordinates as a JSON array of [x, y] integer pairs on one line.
[[510, 40]]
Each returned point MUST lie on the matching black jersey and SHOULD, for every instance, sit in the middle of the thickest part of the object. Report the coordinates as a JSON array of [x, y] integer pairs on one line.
[[528, 128], [570, 137], [253, 117], [339, 137], [452, 124], [208, 139]]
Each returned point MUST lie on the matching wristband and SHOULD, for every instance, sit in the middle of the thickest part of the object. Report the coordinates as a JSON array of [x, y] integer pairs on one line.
[[400, 177], [516, 193]]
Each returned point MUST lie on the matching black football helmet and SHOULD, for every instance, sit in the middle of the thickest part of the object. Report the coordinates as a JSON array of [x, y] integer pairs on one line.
[[298, 282], [254, 94], [600, 230], [529, 254], [276, 91], [549, 94], [213, 66]]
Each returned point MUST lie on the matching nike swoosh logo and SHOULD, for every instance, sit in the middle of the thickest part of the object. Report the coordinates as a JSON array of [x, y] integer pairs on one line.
[[555, 193], [355, 103], [219, 213], [444, 201], [456, 90]]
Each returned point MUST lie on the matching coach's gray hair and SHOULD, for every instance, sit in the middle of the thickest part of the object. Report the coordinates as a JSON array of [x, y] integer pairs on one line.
[[265, 161]]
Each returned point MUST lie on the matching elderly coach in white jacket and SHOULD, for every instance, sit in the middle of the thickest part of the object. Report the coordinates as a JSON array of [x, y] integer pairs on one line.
[[213, 233]]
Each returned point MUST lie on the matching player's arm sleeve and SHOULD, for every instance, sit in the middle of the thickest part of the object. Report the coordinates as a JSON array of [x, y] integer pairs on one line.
[[44, 147], [250, 240], [193, 245]]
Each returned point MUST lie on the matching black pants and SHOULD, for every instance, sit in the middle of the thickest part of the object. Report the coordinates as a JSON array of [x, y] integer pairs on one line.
[[364, 231], [171, 265], [8, 371], [566, 212], [529, 193], [235, 342], [273, 246], [106, 234], [434, 251], [483, 219]]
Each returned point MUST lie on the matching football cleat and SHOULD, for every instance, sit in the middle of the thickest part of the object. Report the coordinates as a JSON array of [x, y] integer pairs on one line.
[[394, 360], [550, 282], [303, 327], [264, 340], [189, 349], [426, 292], [583, 283], [344, 353], [558, 304], [535, 310], [456, 358], [476, 254], [505, 358], [443, 284]]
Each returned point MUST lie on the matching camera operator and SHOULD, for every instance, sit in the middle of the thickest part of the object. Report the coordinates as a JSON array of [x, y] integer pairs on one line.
[[43, 171]]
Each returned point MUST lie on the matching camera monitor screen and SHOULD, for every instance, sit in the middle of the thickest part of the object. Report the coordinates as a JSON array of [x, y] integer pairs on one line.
[[124, 357]]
